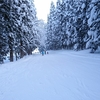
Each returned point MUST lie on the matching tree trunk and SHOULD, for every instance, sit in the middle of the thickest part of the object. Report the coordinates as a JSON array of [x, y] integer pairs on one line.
[[11, 55], [21, 50]]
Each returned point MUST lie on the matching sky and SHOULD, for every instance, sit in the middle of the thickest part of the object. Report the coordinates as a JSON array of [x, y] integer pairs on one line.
[[43, 8]]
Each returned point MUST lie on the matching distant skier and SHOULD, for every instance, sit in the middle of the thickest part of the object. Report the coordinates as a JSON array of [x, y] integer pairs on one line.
[[47, 52], [42, 53]]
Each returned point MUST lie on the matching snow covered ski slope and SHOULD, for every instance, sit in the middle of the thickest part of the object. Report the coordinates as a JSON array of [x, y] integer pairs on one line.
[[60, 75]]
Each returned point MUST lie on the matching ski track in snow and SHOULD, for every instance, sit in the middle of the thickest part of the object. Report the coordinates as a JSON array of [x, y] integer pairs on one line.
[[60, 75]]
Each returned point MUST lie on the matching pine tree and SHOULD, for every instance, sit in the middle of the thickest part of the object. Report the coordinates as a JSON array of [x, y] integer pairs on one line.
[[64, 23], [27, 27], [59, 25], [81, 26], [50, 28], [41, 31], [23, 16], [69, 12], [17, 28], [94, 25], [4, 23]]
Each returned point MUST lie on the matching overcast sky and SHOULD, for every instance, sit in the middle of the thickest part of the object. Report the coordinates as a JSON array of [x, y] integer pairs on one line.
[[43, 8]]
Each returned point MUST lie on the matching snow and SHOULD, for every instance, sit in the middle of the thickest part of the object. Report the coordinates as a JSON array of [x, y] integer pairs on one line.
[[59, 75], [93, 1], [83, 6], [93, 16]]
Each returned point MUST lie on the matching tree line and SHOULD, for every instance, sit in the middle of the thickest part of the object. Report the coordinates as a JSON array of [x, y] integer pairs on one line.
[[74, 24], [71, 24], [20, 31]]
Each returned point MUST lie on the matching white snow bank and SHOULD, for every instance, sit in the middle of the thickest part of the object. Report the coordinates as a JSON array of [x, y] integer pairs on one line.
[[59, 75]]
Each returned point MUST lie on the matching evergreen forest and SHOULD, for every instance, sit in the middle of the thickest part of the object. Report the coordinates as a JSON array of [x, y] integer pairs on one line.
[[74, 25], [71, 25]]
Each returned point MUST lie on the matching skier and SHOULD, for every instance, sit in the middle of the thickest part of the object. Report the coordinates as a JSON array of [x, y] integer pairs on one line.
[[47, 52], [42, 53]]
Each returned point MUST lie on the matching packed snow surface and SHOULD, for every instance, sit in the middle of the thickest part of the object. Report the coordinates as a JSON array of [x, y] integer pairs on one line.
[[59, 75]]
